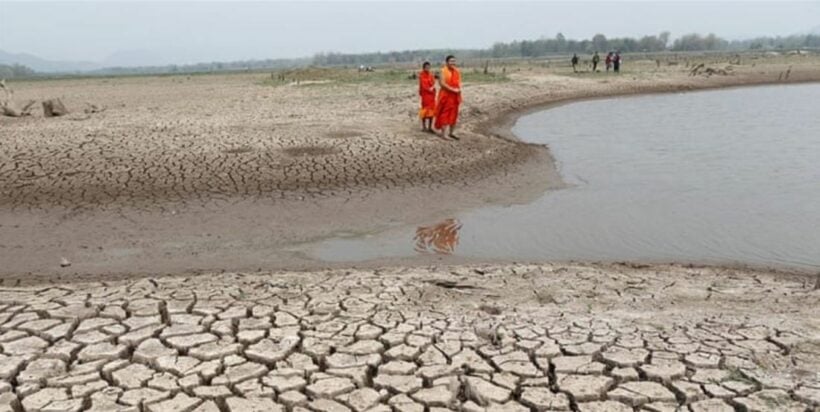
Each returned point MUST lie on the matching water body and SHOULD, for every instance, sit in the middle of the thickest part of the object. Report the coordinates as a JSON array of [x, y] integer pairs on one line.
[[719, 177]]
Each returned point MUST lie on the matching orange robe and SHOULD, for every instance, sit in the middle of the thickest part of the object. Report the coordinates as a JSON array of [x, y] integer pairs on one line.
[[428, 98], [448, 102]]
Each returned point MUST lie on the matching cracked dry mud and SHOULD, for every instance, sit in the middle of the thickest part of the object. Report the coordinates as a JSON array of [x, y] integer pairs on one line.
[[196, 138], [221, 172], [481, 338], [227, 136]]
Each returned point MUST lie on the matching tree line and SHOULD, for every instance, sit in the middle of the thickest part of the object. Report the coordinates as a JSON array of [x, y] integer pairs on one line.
[[515, 49], [209, 67], [561, 45], [11, 71]]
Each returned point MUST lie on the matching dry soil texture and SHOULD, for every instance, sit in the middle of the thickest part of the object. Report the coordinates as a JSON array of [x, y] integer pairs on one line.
[[480, 338], [228, 172]]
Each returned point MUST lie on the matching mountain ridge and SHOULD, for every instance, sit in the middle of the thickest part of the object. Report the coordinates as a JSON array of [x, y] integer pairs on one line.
[[39, 64]]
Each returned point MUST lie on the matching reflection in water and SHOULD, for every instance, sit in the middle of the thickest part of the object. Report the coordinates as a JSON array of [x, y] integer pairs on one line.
[[668, 181], [440, 238]]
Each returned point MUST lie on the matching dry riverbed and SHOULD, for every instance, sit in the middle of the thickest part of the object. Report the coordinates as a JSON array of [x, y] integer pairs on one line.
[[467, 338], [229, 172], [218, 175]]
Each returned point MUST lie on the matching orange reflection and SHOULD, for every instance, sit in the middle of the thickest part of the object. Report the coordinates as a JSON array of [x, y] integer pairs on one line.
[[440, 238]]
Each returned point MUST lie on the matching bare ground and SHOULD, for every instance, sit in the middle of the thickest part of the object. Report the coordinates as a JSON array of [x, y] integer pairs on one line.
[[224, 172], [182, 175], [466, 338]]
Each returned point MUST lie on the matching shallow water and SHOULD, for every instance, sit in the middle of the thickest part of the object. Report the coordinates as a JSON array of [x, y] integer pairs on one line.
[[723, 177]]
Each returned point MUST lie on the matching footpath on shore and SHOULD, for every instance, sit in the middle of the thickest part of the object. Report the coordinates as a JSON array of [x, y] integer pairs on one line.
[[480, 338]]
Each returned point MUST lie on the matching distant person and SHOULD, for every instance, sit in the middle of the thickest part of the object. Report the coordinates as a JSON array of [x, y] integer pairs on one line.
[[595, 59], [575, 63], [449, 98], [608, 61], [427, 91], [616, 62]]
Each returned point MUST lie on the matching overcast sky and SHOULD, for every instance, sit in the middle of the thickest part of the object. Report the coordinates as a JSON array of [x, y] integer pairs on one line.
[[185, 32]]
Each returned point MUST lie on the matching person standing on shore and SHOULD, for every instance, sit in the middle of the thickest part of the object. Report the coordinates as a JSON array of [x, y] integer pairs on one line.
[[574, 63], [608, 61], [616, 62], [595, 59], [427, 92], [449, 98]]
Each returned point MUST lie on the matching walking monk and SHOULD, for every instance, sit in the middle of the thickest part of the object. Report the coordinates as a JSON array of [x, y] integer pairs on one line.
[[449, 98], [427, 91]]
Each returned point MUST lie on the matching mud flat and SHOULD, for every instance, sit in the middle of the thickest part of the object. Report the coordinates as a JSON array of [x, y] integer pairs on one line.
[[227, 172]]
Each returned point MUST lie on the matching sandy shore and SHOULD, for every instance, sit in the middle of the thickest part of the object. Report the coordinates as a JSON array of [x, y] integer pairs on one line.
[[210, 173]]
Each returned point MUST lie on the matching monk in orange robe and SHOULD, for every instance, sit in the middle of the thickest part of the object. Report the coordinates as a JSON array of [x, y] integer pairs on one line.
[[449, 98], [427, 91]]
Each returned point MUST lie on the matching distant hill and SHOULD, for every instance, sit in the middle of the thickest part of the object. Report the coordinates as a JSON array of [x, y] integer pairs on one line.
[[135, 58], [45, 66], [139, 62]]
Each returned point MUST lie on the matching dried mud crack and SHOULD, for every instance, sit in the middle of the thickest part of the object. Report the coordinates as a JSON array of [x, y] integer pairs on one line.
[[415, 340], [183, 142], [130, 180], [202, 137]]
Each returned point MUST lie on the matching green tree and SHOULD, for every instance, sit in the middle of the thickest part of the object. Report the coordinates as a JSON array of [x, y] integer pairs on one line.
[[599, 42]]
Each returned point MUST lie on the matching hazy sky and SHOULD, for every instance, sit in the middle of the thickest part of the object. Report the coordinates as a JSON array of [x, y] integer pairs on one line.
[[182, 32]]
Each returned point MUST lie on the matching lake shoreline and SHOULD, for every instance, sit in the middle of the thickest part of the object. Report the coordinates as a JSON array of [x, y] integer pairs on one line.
[[137, 241], [501, 126]]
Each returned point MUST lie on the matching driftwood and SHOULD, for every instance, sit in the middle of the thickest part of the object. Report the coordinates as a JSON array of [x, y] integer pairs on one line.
[[696, 69], [710, 71], [10, 110], [8, 106], [6, 100], [51, 107], [54, 108]]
